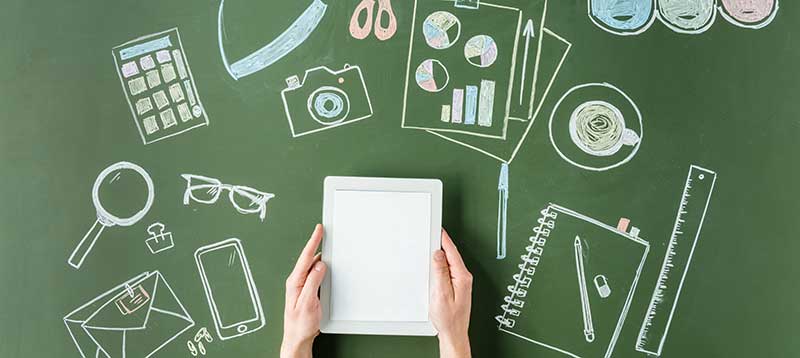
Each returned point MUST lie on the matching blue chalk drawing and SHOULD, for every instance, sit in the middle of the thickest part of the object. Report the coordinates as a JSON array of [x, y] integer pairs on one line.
[[622, 17], [284, 44]]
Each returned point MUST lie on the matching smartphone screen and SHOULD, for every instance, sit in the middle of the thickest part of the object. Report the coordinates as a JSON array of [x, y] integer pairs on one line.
[[230, 289]]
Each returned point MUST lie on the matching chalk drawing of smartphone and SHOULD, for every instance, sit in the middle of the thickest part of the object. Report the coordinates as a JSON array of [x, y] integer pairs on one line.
[[230, 290]]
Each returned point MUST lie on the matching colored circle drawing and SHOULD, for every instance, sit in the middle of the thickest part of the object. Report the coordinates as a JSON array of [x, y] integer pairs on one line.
[[590, 132], [441, 30], [481, 51], [432, 76], [329, 105]]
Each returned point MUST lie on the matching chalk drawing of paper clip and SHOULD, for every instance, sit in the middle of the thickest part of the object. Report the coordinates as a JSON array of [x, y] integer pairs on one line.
[[284, 44]]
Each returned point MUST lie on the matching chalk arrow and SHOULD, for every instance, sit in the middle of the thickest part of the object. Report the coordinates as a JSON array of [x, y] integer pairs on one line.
[[529, 33]]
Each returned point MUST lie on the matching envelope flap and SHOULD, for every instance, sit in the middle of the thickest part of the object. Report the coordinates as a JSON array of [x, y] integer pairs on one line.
[[82, 313], [167, 301], [129, 308]]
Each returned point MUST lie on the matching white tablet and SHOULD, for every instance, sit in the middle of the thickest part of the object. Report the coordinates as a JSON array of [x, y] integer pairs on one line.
[[380, 235]]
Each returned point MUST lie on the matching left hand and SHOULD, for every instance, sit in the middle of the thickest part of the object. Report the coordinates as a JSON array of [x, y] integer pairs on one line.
[[303, 311]]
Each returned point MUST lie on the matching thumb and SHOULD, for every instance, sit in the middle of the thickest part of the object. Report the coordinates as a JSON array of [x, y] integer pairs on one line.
[[313, 281], [442, 285]]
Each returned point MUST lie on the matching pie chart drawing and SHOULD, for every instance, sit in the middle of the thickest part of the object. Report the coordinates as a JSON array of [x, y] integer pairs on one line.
[[481, 51], [441, 29], [432, 76]]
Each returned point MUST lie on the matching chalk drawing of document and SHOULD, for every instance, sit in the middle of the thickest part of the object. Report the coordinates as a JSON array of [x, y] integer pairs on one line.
[[461, 64]]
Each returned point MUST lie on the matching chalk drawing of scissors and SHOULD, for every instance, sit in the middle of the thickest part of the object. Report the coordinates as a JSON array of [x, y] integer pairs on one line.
[[289, 40], [368, 6]]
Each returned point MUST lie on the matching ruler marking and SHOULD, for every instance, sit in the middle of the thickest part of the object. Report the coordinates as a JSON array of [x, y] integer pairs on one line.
[[653, 324]]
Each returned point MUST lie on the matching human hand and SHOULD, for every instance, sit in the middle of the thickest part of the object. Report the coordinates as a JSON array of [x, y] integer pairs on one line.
[[303, 311], [451, 300]]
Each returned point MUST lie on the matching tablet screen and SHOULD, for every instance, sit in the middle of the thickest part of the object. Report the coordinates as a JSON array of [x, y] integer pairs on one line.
[[380, 257]]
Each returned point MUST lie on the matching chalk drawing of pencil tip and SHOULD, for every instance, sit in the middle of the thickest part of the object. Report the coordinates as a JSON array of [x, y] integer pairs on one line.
[[119, 178], [367, 8], [245, 200], [297, 33]]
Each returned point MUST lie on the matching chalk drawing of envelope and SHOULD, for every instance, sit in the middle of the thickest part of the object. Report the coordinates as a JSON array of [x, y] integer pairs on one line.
[[553, 53], [133, 320]]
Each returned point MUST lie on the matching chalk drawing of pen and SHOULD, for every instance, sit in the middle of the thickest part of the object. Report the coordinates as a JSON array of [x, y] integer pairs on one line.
[[502, 211], [588, 327]]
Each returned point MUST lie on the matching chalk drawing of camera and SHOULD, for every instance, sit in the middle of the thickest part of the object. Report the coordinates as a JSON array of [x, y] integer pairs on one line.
[[325, 99]]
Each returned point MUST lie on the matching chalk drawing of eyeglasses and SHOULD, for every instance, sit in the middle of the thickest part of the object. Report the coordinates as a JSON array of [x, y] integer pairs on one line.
[[289, 40], [206, 190]]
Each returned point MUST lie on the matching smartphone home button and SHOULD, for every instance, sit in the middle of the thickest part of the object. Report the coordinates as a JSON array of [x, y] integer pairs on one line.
[[242, 328]]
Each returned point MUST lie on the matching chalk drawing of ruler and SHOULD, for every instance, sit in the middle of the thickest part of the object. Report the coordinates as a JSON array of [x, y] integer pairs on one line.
[[289, 40], [688, 223]]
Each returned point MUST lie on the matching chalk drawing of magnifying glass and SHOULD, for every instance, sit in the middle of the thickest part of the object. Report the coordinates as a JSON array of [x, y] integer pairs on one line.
[[117, 177]]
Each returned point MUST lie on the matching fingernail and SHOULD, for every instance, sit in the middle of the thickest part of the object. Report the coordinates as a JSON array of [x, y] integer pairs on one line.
[[438, 255], [318, 266]]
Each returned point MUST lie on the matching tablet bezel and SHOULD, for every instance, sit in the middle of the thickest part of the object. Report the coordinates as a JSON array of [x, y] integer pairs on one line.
[[333, 184]]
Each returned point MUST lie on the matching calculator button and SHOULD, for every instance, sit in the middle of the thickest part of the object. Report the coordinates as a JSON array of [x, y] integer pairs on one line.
[[147, 63], [168, 118], [137, 85], [153, 79], [197, 111], [189, 92], [184, 112], [168, 72], [179, 63], [129, 69], [163, 56], [176, 93], [144, 105], [161, 99], [150, 125]]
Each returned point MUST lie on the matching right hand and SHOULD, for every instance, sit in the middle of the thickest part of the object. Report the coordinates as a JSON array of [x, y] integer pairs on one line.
[[451, 300]]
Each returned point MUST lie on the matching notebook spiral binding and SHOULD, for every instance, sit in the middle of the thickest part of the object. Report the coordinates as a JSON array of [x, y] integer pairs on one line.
[[527, 268]]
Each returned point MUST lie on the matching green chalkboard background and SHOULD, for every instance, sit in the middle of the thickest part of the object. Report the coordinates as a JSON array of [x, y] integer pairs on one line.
[[726, 100]]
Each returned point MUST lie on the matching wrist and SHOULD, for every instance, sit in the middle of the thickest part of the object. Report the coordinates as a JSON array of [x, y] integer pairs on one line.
[[292, 348], [454, 346]]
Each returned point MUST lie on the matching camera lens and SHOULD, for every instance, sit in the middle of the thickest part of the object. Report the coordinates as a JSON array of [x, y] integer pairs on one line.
[[329, 105]]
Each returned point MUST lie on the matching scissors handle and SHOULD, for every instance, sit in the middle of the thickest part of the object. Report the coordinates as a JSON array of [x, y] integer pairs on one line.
[[84, 247], [385, 33], [357, 30]]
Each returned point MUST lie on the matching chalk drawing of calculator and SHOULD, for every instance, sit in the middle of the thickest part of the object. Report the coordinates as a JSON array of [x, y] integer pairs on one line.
[[159, 86]]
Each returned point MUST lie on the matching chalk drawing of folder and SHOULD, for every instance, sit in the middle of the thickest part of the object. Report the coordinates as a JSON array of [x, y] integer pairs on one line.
[[454, 49], [553, 54], [134, 320]]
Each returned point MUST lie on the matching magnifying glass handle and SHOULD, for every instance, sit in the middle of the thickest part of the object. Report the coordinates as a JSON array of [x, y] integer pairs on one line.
[[85, 246]]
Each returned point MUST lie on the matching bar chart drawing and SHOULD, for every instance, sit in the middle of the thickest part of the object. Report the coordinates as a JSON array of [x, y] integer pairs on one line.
[[471, 105]]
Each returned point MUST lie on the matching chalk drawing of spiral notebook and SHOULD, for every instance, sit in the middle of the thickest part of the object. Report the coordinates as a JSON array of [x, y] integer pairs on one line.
[[575, 284]]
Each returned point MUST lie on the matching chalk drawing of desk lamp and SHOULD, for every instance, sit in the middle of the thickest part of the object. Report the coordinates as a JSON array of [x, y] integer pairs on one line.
[[325, 99]]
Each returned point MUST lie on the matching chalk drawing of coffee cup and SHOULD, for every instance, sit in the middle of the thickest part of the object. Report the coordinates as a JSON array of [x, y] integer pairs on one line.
[[598, 128]]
